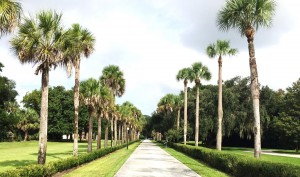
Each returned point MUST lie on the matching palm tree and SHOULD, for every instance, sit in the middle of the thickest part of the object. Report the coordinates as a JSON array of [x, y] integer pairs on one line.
[[78, 42], [90, 93], [183, 74], [247, 16], [220, 49], [166, 104], [178, 101], [197, 73], [10, 15], [105, 101], [39, 41], [113, 78]]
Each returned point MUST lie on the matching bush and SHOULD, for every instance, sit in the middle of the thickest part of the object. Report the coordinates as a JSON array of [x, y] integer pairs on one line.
[[51, 168], [238, 165]]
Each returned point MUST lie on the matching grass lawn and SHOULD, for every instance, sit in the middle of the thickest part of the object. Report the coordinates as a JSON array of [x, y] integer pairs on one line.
[[264, 157], [16, 154], [197, 166], [106, 166]]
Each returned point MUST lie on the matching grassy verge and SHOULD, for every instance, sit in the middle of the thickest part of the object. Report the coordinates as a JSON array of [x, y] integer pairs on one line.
[[106, 166], [18, 154], [197, 166]]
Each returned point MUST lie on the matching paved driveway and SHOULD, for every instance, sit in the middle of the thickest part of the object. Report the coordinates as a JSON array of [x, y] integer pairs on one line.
[[151, 161]]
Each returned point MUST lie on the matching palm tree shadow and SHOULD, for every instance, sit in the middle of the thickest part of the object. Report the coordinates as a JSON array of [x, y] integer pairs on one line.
[[57, 155], [17, 163]]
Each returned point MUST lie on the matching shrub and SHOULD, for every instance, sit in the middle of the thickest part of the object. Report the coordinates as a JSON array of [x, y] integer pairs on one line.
[[238, 165]]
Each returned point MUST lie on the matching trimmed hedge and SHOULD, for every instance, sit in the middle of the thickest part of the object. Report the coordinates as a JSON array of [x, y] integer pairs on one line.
[[238, 165], [51, 168]]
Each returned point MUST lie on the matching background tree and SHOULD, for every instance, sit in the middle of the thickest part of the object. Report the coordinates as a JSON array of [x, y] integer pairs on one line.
[[197, 73], [10, 15], [246, 16], [183, 74], [39, 41], [220, 48], [29, 121], [78, 42], [7, 96]]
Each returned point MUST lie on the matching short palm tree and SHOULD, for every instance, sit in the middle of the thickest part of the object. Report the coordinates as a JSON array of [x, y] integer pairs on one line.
[[105, 100], [90, 93], [178, 105], [197, 73], [39, 41], [78, 42], [247, 16], [183, 74], [220, 48], [10, 15]]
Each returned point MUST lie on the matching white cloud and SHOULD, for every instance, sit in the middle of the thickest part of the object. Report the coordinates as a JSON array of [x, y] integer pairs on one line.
[[151, 40]]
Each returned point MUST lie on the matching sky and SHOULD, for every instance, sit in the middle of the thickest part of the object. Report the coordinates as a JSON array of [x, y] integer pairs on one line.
[[151, 40]]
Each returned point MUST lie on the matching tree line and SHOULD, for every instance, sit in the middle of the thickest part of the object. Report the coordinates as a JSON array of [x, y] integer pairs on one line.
[[279, 110], [42, 41]]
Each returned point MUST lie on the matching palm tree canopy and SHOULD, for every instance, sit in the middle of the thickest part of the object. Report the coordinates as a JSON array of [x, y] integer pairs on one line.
[[90, 92], [78, 42], [183, 74], [39, 41], [221, 48], [114, 79], [246, 14], [198, 72], [167, 103], [10, 15]]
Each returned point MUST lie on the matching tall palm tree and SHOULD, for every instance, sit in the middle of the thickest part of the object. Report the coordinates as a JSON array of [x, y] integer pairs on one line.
[[183, 74], [90, 93], [197, 73], [113, 78], [247, 16], [220, 48], [39, 41], [10, 15], [78, 42]]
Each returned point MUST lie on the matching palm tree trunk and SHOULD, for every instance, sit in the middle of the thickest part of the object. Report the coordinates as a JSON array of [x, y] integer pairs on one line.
[[115, 131], [99, 132], [90, 137], [220, 107], [178, 118], [106, 135], [197, 117], [26, 136], [185, 112], [124, 132], [111, 132], [43, 118], [255, 96], [119, 135], [76, 107]]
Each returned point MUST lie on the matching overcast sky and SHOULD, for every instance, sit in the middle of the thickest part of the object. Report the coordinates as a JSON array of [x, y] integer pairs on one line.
[[151, 40]]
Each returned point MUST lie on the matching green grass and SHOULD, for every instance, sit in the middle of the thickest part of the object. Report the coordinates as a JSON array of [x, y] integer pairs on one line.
[[264, 157], [17, 154], [106, 166], [197, 166]]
